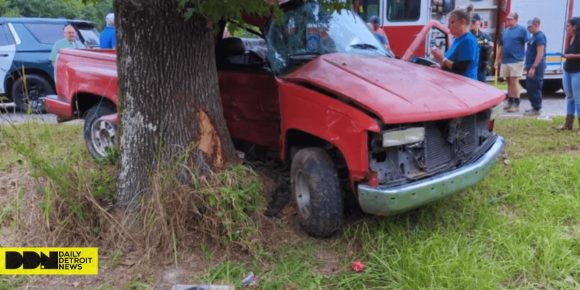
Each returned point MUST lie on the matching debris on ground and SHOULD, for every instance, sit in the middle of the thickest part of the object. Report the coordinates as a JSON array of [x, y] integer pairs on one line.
[[358, 266], [249, 280]]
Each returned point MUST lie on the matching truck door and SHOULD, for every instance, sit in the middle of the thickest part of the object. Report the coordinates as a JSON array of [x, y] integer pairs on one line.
[[402, 21], [553, 23], [7, 51]]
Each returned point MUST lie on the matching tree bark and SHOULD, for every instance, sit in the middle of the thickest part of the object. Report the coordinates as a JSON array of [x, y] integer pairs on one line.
[[169, 97]]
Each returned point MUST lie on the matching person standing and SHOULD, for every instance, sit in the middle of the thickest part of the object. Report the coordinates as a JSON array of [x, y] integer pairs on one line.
[[108, 37], [535, 66], [70, 41], [485, 46], [571, 79], [463, 56], [510, 56]]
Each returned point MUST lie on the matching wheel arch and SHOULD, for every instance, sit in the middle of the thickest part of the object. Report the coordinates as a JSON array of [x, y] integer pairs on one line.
[[297, 139], [83, 101], [17, 74]]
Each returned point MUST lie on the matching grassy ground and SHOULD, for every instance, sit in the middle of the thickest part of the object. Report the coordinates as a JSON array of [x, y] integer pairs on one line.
[[518, 229]]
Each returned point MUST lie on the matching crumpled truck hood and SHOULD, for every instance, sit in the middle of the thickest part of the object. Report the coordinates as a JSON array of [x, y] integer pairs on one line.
[[397, 91]]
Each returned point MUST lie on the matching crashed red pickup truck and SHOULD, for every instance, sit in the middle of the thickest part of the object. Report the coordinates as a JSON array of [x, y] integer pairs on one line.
[[320, 91]]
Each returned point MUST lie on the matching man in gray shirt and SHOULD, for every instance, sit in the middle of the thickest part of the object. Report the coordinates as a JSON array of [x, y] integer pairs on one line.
[[510, 55]]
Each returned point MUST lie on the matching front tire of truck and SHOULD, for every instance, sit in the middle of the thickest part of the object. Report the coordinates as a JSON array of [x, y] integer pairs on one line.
[[317, 192], [99, 133], [27, 91]]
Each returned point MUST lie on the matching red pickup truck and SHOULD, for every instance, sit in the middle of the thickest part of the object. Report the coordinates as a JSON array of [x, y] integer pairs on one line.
[[322, 92]]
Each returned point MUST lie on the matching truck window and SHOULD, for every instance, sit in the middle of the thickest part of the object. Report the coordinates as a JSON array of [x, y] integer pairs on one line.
[[5, 35], [89, 36], [403, 10], [46, 33]]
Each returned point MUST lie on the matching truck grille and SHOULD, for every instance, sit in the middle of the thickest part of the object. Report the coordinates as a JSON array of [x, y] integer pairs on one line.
[[444, 141], [448, 144]]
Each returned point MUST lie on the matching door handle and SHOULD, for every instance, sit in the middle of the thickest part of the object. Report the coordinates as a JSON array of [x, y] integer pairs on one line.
[[4, 55]]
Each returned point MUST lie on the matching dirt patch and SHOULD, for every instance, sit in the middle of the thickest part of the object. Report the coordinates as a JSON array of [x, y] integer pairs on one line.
[[328, 261]]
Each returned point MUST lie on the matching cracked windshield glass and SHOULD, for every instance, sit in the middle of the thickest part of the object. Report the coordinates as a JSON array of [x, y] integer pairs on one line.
[[308, 31]]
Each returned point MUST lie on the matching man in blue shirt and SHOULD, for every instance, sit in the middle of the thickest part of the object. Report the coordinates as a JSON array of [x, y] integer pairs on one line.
[[535, 66], [108, 36], [510, 56]]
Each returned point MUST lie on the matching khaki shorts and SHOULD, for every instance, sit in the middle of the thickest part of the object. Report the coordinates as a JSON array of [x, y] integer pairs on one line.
[[515, 69]]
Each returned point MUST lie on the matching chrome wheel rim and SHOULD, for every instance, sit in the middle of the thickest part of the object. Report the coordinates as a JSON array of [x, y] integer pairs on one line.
[[103, 136]]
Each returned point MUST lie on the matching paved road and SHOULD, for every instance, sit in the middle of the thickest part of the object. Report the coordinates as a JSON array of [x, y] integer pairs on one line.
[[553, 106]]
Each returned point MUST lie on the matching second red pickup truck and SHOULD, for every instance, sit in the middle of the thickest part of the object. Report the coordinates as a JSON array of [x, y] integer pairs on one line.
[[326, 97]]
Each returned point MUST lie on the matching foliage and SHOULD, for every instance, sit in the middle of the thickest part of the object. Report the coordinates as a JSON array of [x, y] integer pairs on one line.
[[74, 9], [216, 10]]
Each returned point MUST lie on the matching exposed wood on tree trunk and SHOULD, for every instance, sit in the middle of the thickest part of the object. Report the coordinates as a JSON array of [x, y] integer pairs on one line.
[[169, 95]]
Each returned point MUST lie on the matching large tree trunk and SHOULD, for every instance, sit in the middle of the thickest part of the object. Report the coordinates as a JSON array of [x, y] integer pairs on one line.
[[169, 96]]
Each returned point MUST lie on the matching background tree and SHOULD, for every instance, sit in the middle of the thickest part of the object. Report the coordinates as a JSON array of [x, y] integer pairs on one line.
[[74, 9], [169, 91]]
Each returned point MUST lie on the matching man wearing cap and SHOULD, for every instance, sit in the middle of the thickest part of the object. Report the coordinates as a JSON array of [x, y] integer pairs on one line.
[[108, 38], [485, 46], [535, 66], [510, 56]]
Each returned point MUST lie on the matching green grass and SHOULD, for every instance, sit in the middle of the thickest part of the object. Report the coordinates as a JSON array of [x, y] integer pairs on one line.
[[46, 140], [518, 229], [12, 282], [500, 85]]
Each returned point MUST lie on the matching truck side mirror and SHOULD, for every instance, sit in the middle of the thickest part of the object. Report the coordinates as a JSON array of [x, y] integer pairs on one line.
[[448, 6]]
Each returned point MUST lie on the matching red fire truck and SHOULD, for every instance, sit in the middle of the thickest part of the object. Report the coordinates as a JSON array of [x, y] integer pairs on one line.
[[403, 19]]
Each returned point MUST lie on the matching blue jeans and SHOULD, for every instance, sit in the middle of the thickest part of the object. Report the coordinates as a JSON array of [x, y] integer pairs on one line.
[[571, 84], [534, 92]]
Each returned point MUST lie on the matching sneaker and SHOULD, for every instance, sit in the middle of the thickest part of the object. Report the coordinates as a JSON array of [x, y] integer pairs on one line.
[[532, 113], [513, 109]]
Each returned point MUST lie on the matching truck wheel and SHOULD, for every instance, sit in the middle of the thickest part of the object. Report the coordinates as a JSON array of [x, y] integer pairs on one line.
[[317, 192], [99, 133], [27, 91]]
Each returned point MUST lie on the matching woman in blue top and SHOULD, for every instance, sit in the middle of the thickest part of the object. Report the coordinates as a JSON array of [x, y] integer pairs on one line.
[[463, 55]]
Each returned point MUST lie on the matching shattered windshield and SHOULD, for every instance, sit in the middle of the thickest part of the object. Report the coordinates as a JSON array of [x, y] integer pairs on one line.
[[308, 31]]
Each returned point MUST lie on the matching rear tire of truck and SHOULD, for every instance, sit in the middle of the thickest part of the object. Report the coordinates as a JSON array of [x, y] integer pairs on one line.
[[317, 192], [27, 91], [99, 133]]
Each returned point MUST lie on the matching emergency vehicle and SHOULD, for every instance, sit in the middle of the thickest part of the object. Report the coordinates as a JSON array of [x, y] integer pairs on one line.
[[403, 19]]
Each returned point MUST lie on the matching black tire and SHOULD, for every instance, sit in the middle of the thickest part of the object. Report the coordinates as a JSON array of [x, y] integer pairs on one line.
[[317, 192], [99, 134], [27, 91]]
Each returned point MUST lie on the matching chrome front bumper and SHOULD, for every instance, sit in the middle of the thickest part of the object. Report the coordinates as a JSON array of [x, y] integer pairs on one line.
[[392, 200]]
